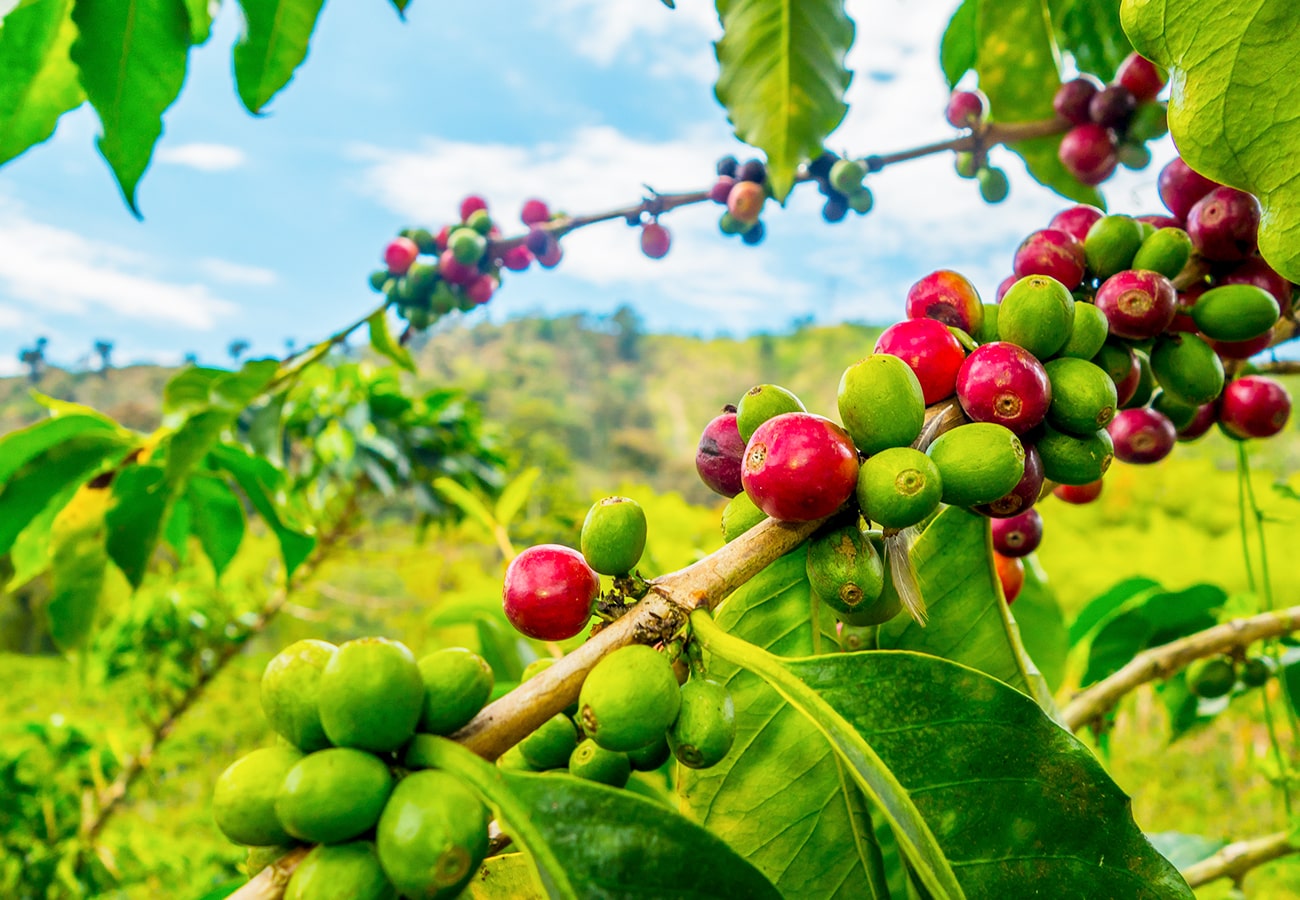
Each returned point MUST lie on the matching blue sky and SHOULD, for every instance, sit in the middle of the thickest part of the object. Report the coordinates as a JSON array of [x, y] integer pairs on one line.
[[265, 228]]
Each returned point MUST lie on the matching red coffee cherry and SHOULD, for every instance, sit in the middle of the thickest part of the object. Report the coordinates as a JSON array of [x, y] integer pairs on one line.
[[549, 592]]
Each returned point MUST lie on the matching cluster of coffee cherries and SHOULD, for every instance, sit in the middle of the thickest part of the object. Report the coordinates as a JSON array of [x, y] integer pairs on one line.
[[1217, 676], [1110, 124], [970, 109], [631, 714], [336, 777]]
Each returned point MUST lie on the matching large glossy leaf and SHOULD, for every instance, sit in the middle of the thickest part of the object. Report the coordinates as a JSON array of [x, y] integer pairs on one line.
[[1042, 624], [190, 389], [1235, 81], [201, 13], [782, 77], [514, 495], [132, 56], [273, 45], [219, 519], [506, 877], [264, 485], [47, 474], [1162, 617], [969, 622], [140, 502], [1090, 31], [588, 840], [78, 562], [383, 342], [17, 448], [30, 554], [957, 49], [1019, 70], [1020, 807], [38, 82], [1105, 604], [758, 798]]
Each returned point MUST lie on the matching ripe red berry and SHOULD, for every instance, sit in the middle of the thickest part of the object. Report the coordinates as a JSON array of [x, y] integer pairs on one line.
[[1078, 493], [1180, 187], [930, 350], [1011, 575], [1138, 304], [1142, 435], [1241, 349], [718, 457], [470, 205], [1023, 495], [1057, 254], [1141, 76], [480, 290], [535, 212], [538, 240], [1205, 417], [453, 271], [516, 259], [551, 256], [1158, 221], [1128, 384], [655, 240], [966, 109], [443, 238], [1005, 285], [400, 254], [1224, 224], [799, 467], [745, 201], [1254, 407], [1002, 383], [721, 189], [1088, 151], [1019, 535], [1259, 273], [1076, 220], [1072, 99], [947, 297], [1112, 107], [549, 592]]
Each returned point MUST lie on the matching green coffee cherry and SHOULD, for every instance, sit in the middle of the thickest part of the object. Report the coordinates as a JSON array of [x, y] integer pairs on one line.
[[1088, 335], [371, 695], [1256, 671], [847, 174], [1211, 678], [629, 698], [593, 762], [994, 186], [740, 515], [1037, 314], [340, 872], [978, 463], [333, 795], [844, 569], [1146, 387], [650, 757], [1074, 460], [898, 487], [858, 637], [1188, 368], [467, 245], [513, 761], [243, 802], [613, 535], [1111, 244], [1166, 252], [705, 727], [881, 403], [433, 835], [1083, 396], [291, 693], [763, 402], [1179, 413], [1235, 312], [550, 745], [862, 201], [987, 332], [457, 683], [887, 605]]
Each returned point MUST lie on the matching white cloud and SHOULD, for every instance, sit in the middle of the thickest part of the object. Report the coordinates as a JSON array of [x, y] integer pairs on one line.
[[666, 42], [55, 270], [237, 273], [203, 157]]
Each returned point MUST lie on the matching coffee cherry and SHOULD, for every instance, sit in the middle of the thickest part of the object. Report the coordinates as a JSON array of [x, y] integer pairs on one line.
[[835, 208], [947, 297], [978, 463], [1011, 575], [1141, 76], [1166, 252], [1072, 99], [994, 185], [517, 259], [1037, 314], [1112, 107], [1070, 459], [1180, 187], [1146, 382], [1088, 152], [549, 591], [243, 801], [613, 535], [1078, 494], [721, 189], [930, 351], [820, 168], [481, 289], [745, 202], [763, 402], [467, 245], [1254, 407], [655, 240], [333, 795], [754, 235], [291, 693], [1255, 271], [1157, 221], [551, 745], [1083, 396], [846, 176], [1089, 333], [718, 457], [371, 695], [897, 488], [1133, 156], [1224, 224], [457, 683], [1076, 221], [727, 166], [629, 698], [1187, 368], [1003, 286], [751, 170], [432, 836], [881, 403], [1211, 678], [799, 467], [594, 763], [338, 870], [1142, 435], [1256, 671], [966, 165], [453, 271], [1056, 254], [1018, 536], [552, 255], [399, 254], [1138, 304], [471, 205], [538, 240], [1206, 416], [966, 109], [1005, 384], [862, 201], [535, 212], [1023, 495], [1241, 349], [738, 516], [705, 728]]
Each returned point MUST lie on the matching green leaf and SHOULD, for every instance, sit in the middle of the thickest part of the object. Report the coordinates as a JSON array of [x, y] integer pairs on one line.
[[957, 48], [1091, 32], [1160, 618], [758, 798], [1291, 676], [869, 772], [465, 501], [177, 528], [46, 475], [38, 82], [78, 561], [264, 485], [273, 45], [140, 500], [383, 342], [17, 448], [201, 13], [228, 395], [30, 554], [190, 389], [515, 495], [505, 877], [400, 6], [1101, 607], [266, 428], [1019, 70], [132, 56], [963, 744], [219, 524], [1235, 77], [1041, 624], [782, 77], [590, 840], [969, 623]]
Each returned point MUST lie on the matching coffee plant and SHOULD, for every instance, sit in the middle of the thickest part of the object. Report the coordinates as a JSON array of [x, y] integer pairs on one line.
[[837, 703]]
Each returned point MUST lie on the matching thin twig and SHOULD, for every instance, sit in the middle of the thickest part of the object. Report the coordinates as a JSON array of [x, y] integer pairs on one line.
[[1236, 859]]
